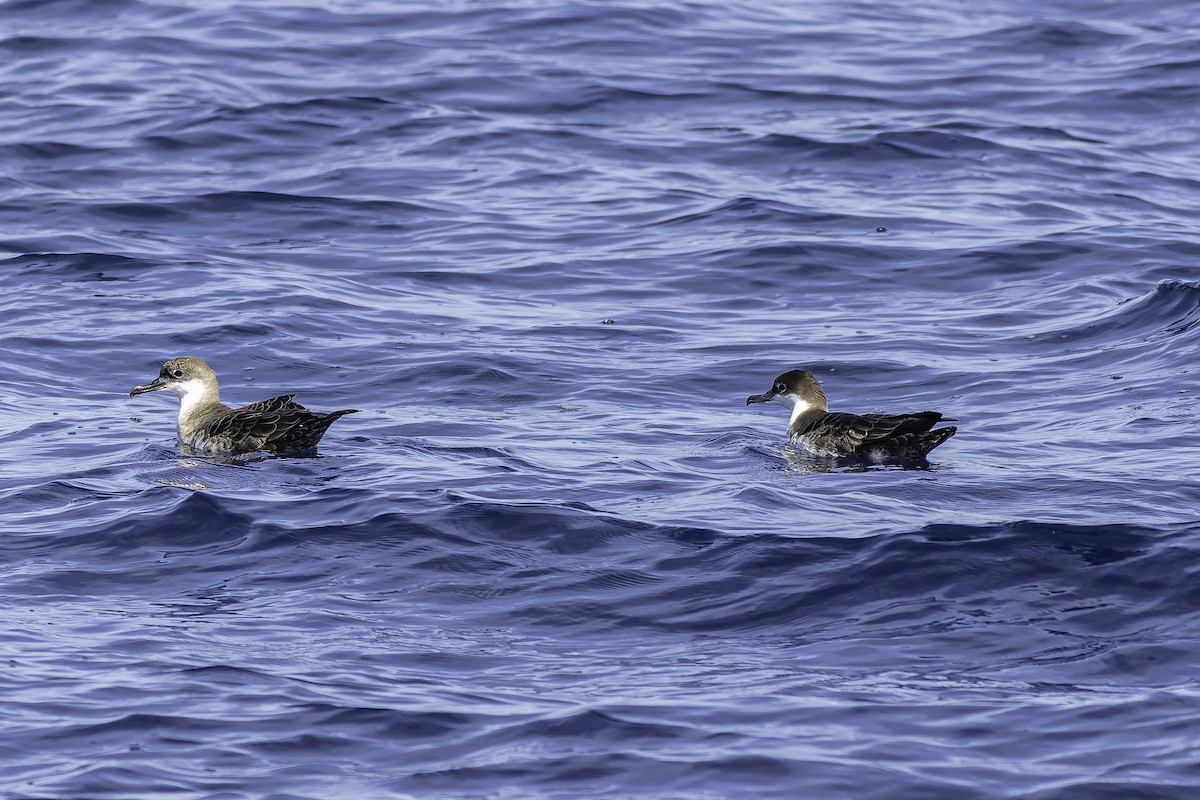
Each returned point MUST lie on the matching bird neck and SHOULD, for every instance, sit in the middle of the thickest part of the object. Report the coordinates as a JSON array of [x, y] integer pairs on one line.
[[804, 421], [199, 402], [799, 407], [802, 404]]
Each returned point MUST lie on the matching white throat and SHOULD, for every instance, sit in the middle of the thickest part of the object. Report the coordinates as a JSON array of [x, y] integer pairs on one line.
[[797, 405], [192, 394]]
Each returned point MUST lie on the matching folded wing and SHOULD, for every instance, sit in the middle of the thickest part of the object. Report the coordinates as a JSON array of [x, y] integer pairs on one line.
[[282, 403], [275, 425], [866, 435]]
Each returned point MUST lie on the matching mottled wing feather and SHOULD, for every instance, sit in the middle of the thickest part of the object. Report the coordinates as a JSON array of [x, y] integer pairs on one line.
[[245, 428], [299, 430], [843, 432], [899, 434], [293, 428], [282, 403], [899, 424]]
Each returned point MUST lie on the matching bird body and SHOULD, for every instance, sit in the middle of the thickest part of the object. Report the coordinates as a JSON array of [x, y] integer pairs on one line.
[[277, 425], [873, 437]]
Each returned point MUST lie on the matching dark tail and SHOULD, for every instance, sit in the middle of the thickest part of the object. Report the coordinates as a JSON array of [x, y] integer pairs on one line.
[[932, 439], [321, 423]]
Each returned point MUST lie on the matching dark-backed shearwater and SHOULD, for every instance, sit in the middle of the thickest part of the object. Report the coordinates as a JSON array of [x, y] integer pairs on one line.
[[875, 437], [278, 425]]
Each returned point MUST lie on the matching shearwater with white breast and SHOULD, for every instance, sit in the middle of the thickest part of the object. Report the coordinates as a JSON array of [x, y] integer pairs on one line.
[[874, 437], [277, 425]]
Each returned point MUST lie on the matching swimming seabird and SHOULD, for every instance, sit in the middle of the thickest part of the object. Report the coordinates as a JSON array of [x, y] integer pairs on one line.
[[277, 425], [874, 437]]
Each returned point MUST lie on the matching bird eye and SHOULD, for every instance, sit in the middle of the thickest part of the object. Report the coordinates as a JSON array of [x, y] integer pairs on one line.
[[178, 373], [779, 387]]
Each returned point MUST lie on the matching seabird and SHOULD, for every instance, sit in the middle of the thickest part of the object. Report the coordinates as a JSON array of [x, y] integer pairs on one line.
[[278, 425], [874, 437]]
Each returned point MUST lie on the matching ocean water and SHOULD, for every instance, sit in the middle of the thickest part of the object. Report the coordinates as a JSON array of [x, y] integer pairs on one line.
[[548, 248]]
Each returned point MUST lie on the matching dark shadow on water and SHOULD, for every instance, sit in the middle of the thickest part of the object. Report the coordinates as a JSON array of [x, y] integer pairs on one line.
[[804, 463], [245, 459]]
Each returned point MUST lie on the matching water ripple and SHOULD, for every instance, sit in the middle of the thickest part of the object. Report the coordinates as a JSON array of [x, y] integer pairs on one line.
[[549, 249]]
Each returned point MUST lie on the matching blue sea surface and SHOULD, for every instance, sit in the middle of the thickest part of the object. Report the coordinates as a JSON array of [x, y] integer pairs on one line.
[[549, 247]]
